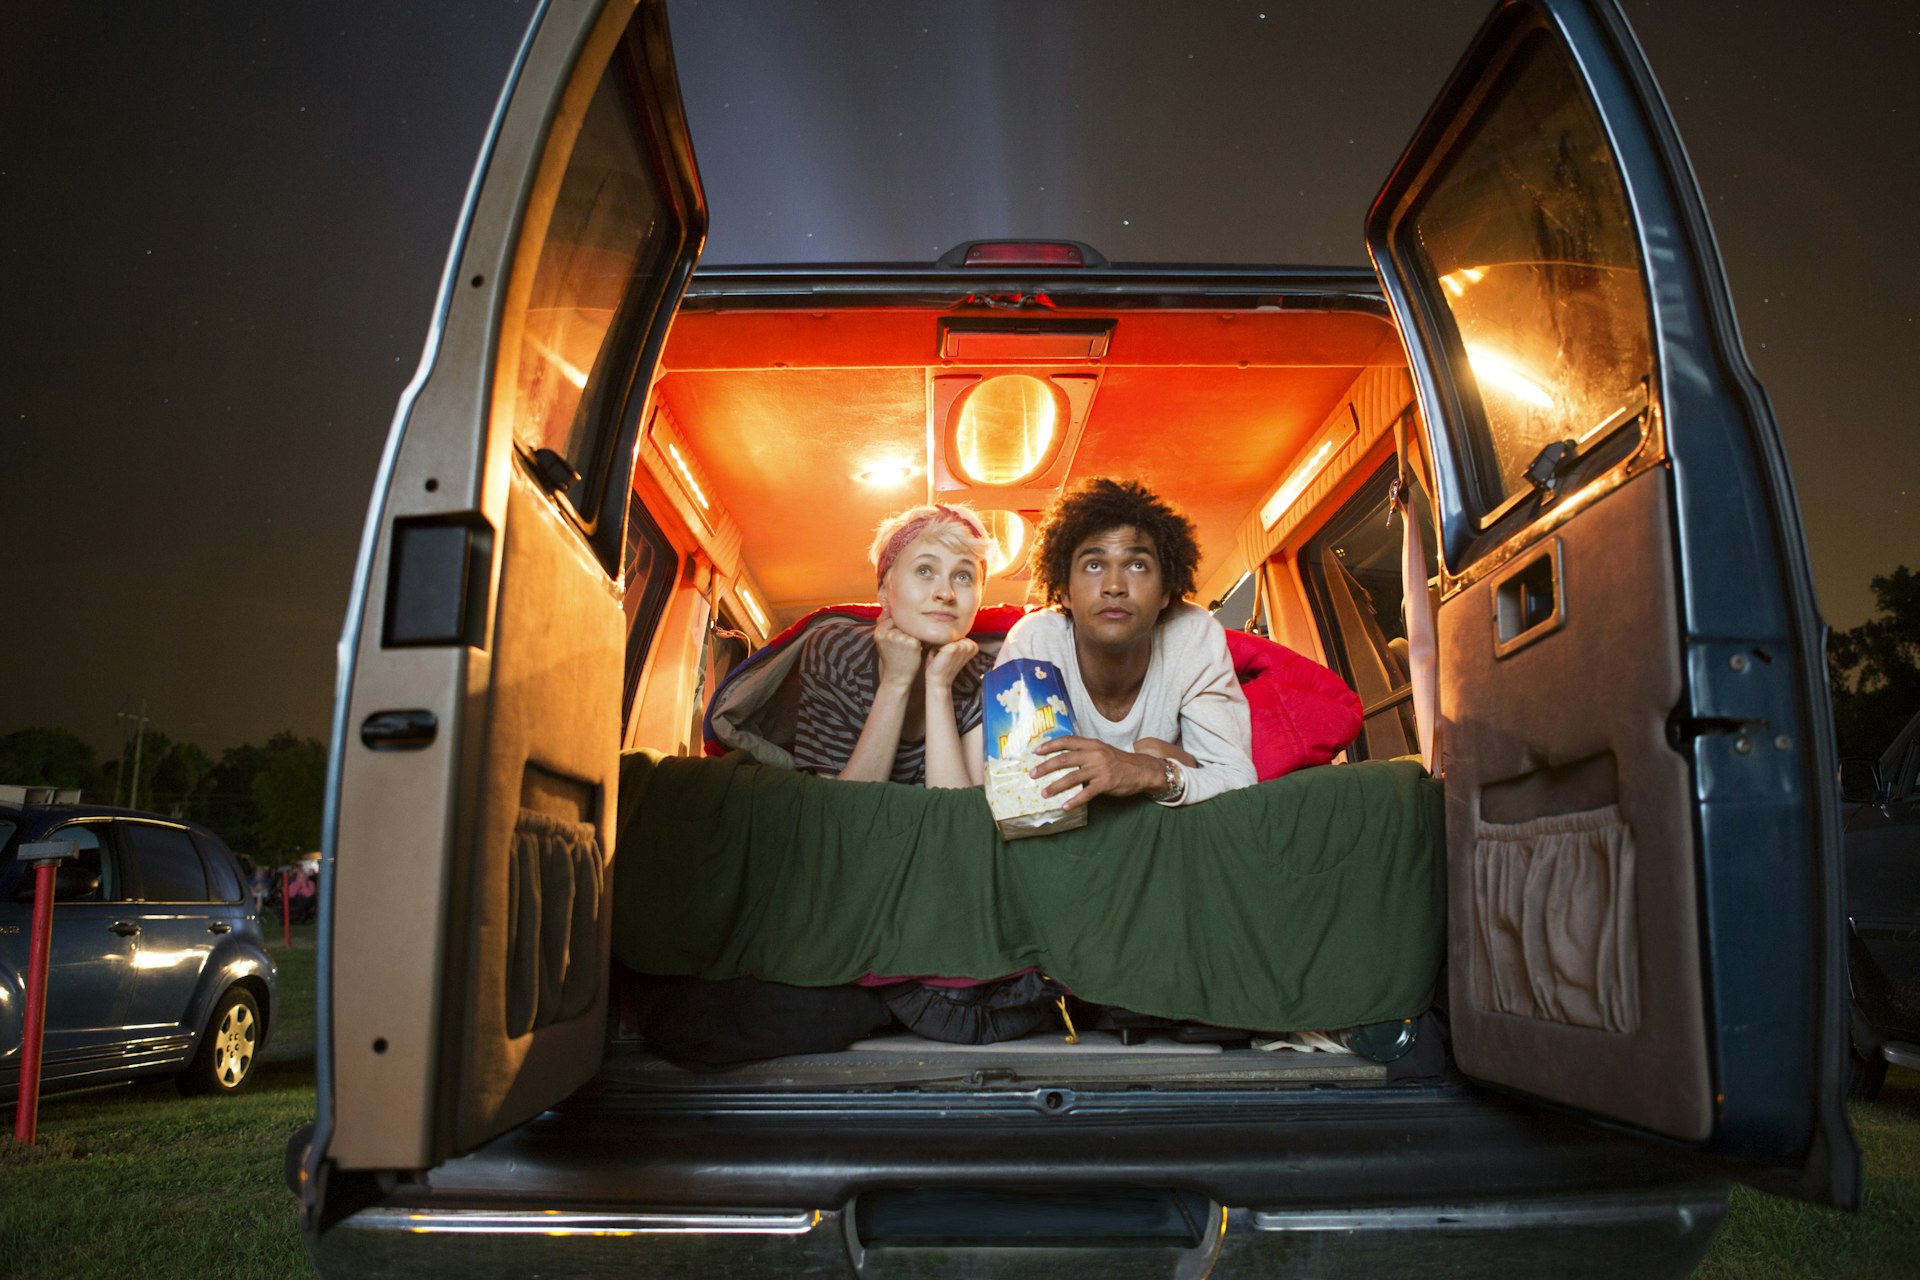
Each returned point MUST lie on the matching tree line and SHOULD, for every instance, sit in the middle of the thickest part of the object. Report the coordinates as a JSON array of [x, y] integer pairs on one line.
[[1873, 669], [264, 801]]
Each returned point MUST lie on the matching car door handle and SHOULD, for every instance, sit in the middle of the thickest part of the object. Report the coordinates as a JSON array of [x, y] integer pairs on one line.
[[125, 928], [219, 926]]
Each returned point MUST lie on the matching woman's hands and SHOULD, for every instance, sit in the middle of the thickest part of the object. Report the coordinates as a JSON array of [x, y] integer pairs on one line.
[[899, 653], [948, 661], [1100, 770], [901, 656], [951, 761]]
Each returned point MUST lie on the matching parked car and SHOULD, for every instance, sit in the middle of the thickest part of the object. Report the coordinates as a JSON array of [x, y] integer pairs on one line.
[[156, 962], [1882, 839], [613, 474]]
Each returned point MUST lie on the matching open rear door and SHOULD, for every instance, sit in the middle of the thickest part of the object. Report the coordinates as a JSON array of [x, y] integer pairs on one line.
[[1642, 839], [477, 733]]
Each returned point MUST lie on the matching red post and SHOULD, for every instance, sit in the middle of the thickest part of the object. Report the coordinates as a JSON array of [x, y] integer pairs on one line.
[[286, 913], [26, 1115]]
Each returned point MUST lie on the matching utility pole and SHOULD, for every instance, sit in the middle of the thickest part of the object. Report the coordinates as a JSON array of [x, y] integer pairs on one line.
[[139, 723]]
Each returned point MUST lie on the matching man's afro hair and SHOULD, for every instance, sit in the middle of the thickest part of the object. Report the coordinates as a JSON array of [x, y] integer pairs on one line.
[[1098, 504]]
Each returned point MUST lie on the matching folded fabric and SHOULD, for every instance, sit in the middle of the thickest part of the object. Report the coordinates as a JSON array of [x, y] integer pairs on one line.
[[1313, 901]]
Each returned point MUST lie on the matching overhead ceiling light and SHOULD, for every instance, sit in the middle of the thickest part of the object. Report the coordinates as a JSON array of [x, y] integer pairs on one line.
[[686, 475], [886, 474], [1005, 429], [1007, 541], [1314, 460], [752, 606]]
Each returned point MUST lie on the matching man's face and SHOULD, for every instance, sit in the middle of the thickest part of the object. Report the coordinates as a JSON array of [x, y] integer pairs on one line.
[[1116, 590]]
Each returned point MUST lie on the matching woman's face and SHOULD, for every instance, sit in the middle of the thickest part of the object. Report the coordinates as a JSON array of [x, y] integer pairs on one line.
[[932, 591]]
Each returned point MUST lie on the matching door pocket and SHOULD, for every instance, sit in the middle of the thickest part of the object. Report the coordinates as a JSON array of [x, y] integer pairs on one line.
[[1554, 900], [555, 883]]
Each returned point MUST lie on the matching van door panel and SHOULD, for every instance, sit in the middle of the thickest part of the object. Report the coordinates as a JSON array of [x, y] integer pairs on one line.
[[542, 838], [1569, 836], [1645, 916], [465, 923]]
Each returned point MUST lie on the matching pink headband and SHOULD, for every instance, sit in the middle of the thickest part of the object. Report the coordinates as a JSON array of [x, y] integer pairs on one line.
[[913, 528]]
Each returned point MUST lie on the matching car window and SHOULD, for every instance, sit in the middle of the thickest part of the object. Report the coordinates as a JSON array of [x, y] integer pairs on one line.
[[1352, 567], [163, 865], [222, 873], [604, 236], [7, 827], [84, 877], [1528, 236]]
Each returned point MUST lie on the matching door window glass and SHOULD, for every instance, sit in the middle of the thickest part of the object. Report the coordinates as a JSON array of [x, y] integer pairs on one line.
[[1524, 239], [602, 237], [1352, 567], [163, 864]]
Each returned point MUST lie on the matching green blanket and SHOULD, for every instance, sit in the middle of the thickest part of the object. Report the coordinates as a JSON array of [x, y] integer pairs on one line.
[[1312, 901]]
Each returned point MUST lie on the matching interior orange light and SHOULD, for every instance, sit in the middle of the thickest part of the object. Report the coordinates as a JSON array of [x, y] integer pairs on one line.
[[1006, 429], [886, 474], [752, 606], [686, 475], [1007, 536], [1310, 465]]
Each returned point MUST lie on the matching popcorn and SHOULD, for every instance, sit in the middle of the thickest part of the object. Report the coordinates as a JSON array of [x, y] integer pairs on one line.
[[1026, 704]]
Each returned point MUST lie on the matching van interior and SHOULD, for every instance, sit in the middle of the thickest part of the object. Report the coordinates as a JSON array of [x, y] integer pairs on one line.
[[780, 436]]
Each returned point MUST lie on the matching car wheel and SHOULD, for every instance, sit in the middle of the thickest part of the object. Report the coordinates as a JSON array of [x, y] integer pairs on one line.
[[226, 1058], [1864, 1075]]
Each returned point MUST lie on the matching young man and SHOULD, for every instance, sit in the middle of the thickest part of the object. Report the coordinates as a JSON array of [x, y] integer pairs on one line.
[[1152, 686]]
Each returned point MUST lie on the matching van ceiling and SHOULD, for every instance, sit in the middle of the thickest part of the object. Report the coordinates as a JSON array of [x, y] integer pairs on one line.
[[784, 408]]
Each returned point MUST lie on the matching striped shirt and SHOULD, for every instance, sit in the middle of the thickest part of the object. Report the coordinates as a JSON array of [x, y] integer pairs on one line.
[[839, 676]]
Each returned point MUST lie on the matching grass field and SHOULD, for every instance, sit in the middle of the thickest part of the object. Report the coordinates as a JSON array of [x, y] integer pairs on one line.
[[140, 1182]]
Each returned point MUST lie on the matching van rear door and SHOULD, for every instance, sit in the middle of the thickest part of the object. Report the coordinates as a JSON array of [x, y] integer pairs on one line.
[[477, 730], [1645, 920]]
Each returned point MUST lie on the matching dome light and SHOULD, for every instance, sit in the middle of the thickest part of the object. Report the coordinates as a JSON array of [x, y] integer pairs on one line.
[[1005, 429]]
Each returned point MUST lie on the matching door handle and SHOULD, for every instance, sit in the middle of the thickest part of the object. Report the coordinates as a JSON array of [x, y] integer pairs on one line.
[[219, 926], [1529, 601], [125, 928], [399, 730]]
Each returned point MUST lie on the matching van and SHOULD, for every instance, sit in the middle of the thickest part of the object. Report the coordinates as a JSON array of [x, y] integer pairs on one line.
[[614, 478]]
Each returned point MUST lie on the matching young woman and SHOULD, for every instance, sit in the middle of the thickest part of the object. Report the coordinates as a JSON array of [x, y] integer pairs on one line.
[[901, 701]]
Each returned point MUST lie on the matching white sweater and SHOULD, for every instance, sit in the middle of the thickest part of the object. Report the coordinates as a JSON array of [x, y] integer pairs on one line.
[[1190, 696]]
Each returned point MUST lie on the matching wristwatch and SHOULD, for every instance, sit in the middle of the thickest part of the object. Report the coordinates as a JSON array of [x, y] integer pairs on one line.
[[1176, 783]]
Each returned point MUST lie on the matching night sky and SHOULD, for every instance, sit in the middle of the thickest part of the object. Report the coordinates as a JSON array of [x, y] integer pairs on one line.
[[224, 226]]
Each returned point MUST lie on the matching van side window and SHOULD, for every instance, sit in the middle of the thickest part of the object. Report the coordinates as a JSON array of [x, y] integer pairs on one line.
[[1352, 568], [1548, 309], [602, 240], [648, 575], [724, 647]]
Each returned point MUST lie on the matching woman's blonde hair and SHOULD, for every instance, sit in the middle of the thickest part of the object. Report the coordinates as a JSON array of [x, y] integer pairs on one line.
[[954, 524]]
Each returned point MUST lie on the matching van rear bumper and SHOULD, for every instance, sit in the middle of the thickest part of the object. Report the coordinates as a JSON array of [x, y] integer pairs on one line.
[[1663, 1233], [1058, 1183]]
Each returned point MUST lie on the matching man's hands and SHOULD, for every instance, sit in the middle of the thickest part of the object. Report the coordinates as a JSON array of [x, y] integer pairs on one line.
[[1099, 769]]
